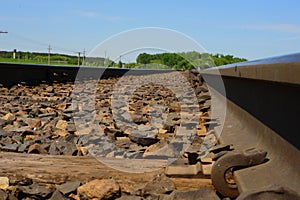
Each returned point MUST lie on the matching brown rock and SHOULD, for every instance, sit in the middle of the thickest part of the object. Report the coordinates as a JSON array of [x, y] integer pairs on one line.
[[175, 107], [181, 168], [4, 183], [146, 109], [83, 150], [36, 148], [62, 124], [162, 131], [61, 132], [62, 106], [29, 137], [34, 123], [99, 189], [49, 89], [3, 112], [8, 117], [155, 146], [202, 132], [75, 197]]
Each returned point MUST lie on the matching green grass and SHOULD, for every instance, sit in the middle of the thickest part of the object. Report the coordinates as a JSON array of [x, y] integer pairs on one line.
[[23, 61]]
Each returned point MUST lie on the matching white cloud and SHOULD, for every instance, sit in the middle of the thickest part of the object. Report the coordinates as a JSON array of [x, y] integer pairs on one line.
[[283, 28]]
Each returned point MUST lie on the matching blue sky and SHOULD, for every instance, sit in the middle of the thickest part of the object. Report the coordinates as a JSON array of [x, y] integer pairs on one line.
[[251, 29]]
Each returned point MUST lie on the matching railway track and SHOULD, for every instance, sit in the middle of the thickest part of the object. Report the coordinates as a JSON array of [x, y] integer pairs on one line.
[[43, 112]]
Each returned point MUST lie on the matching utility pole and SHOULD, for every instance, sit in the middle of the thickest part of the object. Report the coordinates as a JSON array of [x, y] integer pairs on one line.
[[78, 58], [49, 49], [120, 61], [105, 63], [14, 53], [83, 58]]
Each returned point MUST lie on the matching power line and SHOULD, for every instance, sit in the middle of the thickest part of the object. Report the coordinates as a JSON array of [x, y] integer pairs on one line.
[[33, 41], [42, 44]]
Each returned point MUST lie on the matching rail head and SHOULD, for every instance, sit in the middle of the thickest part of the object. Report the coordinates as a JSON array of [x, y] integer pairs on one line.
[[284, 69], [262, 111]]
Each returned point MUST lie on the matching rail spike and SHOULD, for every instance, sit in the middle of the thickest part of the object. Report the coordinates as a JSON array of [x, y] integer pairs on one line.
[[222, 170]]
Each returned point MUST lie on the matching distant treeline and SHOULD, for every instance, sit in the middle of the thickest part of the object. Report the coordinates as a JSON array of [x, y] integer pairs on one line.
[[176, 61], [37, 57], [187, 60]]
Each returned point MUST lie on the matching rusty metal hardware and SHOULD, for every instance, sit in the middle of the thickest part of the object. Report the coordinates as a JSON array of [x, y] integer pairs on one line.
[[221, 147], [224, 167], [220, 150]]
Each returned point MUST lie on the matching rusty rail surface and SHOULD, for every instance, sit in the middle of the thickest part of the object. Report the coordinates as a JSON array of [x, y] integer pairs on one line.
[[262, 99]]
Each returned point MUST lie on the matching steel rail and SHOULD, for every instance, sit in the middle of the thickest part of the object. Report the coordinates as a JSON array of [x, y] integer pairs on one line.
[[14, 73], [262, 99]]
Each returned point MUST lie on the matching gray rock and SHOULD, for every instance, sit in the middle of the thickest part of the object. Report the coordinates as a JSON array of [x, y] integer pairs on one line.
[[4, 133], [143, 138], [112, 133], [201, 194], [71, 128], [3, 195], [125, 144], [16, 138], [57, 195], [22, 148], [2, 122], [6, 140], [12, 197], [130, 198], [161, 184], [170, 125], [23, 182], [52, 114], [63, 148], [66, 116], [68, 187], [131, 155], [272, 192], [10, 147], [42, 139], [34, 191], [18, 129]]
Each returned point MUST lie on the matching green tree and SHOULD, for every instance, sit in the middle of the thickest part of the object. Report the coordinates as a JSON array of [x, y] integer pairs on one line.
[[120, 64]]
